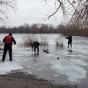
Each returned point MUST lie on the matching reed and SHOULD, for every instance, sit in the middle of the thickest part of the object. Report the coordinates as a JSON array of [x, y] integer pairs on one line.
[[28, 40], [58, 41]]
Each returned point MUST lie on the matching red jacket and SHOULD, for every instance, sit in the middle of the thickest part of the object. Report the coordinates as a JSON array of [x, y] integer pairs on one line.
[[8, 39]]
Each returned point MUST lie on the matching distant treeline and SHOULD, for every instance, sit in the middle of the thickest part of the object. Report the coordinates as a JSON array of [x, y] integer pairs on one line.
[[45, 28]]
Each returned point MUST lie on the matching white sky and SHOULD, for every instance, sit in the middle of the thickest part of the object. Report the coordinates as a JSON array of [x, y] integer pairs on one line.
[[33, 11]]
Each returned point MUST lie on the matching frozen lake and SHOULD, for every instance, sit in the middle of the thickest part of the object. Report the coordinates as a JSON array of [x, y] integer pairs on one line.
[[71, 68]]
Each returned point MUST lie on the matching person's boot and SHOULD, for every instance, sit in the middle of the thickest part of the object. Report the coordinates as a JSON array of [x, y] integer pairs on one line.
[[10, 59], [3, 58]]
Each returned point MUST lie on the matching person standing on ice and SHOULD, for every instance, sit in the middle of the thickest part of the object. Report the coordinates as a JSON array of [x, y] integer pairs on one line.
[[35, 46], [8, 40], [69, 40]]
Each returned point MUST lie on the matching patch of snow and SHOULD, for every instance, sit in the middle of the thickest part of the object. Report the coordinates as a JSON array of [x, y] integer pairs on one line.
[[7, 67]]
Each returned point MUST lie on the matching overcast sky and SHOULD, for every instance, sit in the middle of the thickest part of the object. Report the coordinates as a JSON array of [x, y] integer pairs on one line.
[[33, 11]]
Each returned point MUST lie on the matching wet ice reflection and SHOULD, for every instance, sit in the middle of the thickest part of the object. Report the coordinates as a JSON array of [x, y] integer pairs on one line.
[[72, 70]]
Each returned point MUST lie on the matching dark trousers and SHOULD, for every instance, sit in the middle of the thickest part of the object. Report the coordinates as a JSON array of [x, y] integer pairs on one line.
[[7, 48], [69, 43], [36, 48]]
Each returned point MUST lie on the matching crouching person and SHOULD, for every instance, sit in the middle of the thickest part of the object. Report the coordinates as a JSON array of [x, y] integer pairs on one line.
[[35, 46], [8, 46]]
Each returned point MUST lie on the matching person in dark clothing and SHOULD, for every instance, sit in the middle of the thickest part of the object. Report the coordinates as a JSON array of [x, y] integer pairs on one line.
[[8, 41], [69, 40], [35, 45]]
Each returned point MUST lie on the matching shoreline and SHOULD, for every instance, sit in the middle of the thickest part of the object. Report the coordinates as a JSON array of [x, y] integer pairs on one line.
[[22, 80]]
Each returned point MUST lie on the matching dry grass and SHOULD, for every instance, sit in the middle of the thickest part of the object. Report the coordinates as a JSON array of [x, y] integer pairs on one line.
[[1, 45], [43, 41], [58, 41], [28, 41]]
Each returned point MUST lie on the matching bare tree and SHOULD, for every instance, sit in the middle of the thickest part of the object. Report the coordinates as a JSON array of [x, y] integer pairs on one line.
[[77, 10], [5, 6]]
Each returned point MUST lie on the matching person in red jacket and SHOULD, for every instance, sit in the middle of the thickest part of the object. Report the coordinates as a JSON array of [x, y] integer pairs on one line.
[[8, 40]]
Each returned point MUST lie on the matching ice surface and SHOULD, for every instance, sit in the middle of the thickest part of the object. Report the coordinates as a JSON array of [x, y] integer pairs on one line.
[[73, 71], [70, 67]]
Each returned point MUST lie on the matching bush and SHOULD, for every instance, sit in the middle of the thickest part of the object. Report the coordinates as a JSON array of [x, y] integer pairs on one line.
[[28, 41], [43, 41], [59, 42]]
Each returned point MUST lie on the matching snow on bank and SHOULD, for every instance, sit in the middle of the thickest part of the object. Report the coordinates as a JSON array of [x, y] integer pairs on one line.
[[7, 67]]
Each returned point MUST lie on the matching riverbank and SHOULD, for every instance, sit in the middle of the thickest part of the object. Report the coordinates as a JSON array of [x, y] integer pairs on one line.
[[21, 80]]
